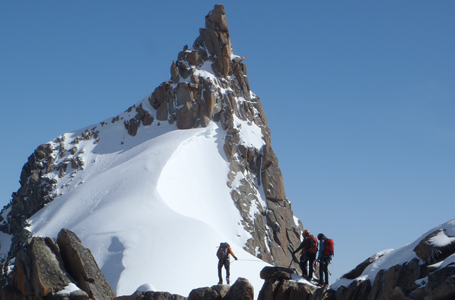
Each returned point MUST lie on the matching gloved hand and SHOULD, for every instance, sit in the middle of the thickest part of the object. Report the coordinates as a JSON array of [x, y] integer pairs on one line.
[[235, 257]]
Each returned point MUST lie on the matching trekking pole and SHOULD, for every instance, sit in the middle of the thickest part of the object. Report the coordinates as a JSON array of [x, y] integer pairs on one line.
[[293, 256], [292, 260], [290, 263]]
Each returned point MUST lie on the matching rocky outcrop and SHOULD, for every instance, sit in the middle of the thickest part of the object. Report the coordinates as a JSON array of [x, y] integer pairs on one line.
[[240, 290], [432, 253], [44, 269], [278, 284], [424, 277], [38, 184]]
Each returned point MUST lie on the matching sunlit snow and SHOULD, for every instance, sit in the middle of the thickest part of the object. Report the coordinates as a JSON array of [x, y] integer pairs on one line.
[[152, 208]]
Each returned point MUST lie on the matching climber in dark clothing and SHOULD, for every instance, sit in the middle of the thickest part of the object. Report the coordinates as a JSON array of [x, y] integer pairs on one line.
[[223, 260]]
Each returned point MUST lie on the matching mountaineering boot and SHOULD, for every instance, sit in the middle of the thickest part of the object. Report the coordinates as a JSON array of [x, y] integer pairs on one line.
[[227, 280], [221, 281]]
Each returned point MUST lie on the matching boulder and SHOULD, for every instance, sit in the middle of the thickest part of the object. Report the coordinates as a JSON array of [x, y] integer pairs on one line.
[[240, 290], [39, 269], [205, 293], [432, 253], [81, 265], [221, 289], [43, 270], [280, 289], [277, 273]]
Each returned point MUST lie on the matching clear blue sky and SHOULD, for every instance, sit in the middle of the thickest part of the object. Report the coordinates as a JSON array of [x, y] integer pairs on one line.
[[359, 95]]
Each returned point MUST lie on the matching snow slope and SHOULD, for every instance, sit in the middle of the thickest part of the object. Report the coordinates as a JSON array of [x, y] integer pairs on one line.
[[152, 208]]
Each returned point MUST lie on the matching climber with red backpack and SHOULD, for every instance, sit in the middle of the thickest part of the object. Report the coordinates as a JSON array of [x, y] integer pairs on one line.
[[326, 252], [223, 260], [309, 247]]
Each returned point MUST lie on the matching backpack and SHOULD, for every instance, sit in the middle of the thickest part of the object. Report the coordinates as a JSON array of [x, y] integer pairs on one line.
[[328, 247], [223, 251], [311, 244]]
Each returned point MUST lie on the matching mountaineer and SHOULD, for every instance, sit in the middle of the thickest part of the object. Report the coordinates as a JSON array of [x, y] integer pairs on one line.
[[223, 260], [309, 247], [326, 253]]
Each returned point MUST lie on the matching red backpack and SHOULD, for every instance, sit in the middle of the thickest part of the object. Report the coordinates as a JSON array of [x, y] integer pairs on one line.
[[328, 247], [311, 244]]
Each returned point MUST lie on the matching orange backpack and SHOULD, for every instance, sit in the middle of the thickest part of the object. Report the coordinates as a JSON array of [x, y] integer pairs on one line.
[[311, 244]]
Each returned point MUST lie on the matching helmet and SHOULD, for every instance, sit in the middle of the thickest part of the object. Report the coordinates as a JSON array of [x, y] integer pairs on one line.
[[320, 236], [306, 232]]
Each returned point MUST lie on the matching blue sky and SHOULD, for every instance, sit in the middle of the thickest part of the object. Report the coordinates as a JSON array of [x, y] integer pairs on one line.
[[359, 96]]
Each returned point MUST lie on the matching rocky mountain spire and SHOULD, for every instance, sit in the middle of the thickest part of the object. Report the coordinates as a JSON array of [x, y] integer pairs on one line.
[[193, 100], [208, 83]]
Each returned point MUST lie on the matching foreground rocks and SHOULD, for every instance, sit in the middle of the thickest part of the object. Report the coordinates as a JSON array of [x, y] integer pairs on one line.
[[65, 270], [279, 285], [43, 269], [240, 290], [426, 277]]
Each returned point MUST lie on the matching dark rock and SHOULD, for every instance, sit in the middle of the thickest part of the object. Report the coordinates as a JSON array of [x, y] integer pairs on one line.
[[206, 293], [360, 268], [300, 291], [441, 284], [276, 273], [240, 290], [150, 295], [162, 113], [221, 289], [431, 253], [280, 289], [132, 126], [158, 296]]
